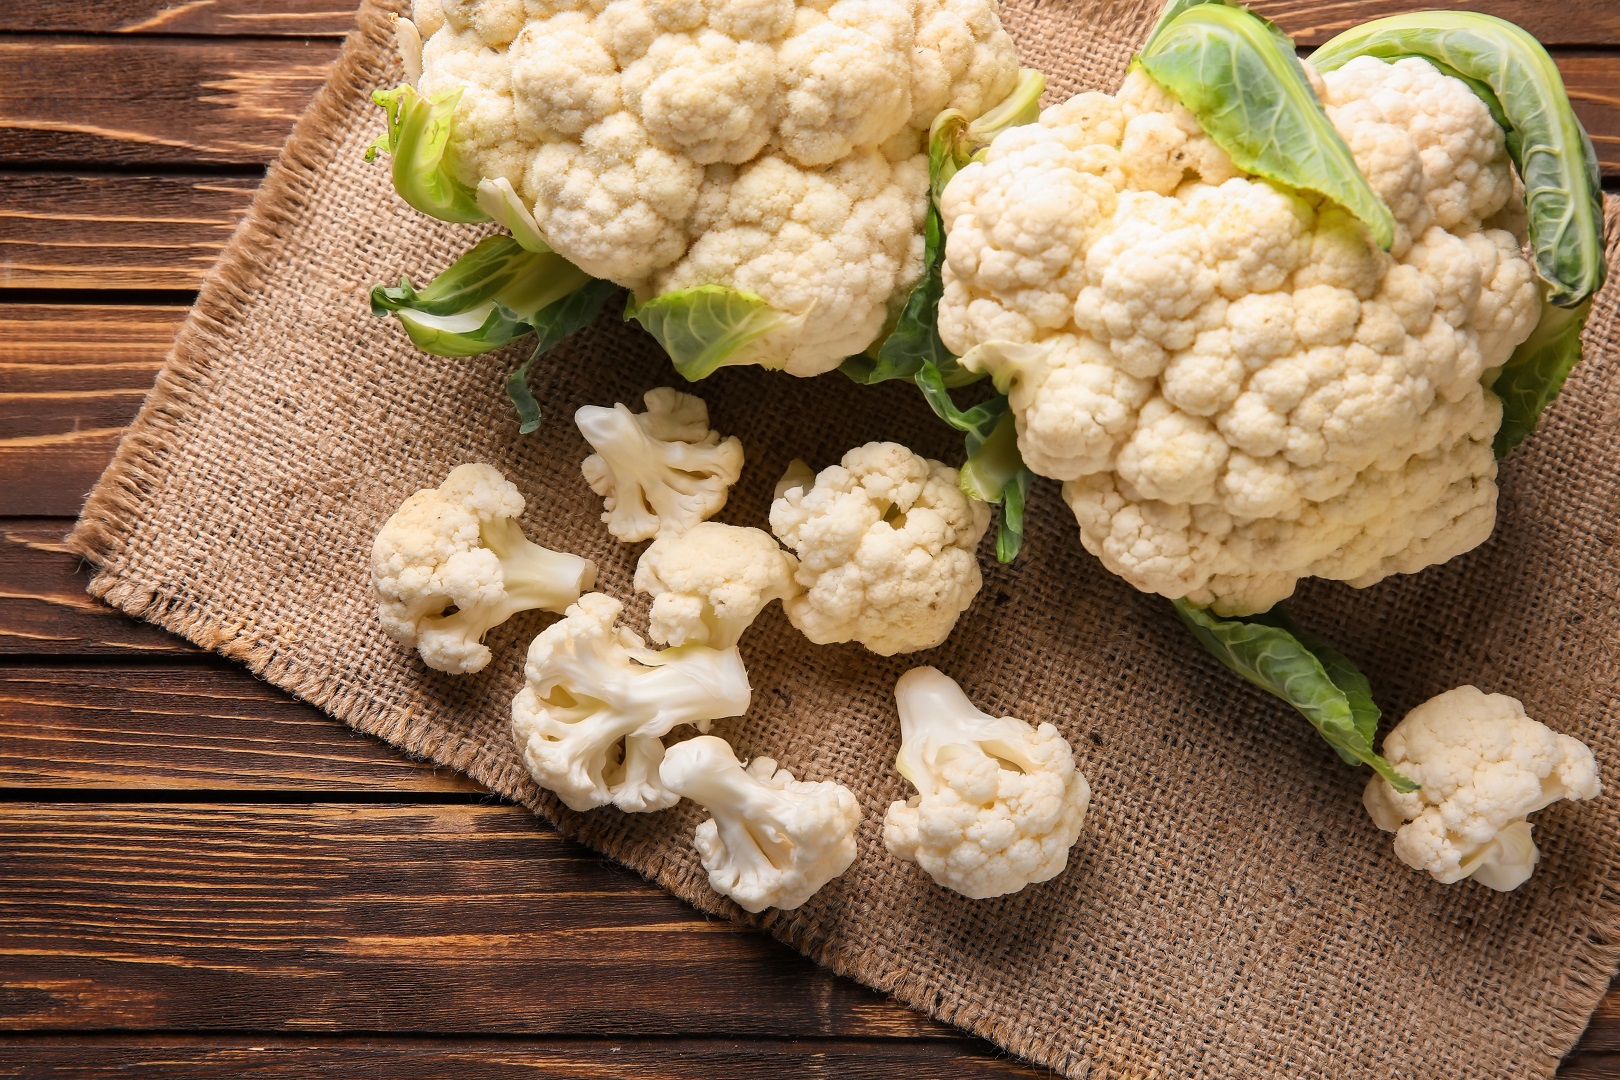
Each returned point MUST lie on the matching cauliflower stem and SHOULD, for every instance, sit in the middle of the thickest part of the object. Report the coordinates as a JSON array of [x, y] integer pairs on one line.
[[773, 841]]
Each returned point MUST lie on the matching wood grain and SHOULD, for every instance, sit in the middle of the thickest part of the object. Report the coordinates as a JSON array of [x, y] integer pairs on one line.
[[294, 18], [212, 727], [208, 1058], [45, 611], [1310, 22], [1571, 22], [448, 919], [115, 232], [160, 101], [154, 101], [71, 379]]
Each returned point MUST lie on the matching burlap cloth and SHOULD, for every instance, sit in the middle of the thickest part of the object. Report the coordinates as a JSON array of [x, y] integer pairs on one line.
[[1230, 911]]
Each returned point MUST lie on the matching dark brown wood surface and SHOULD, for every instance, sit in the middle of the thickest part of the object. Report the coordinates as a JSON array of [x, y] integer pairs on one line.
[[200, 876]]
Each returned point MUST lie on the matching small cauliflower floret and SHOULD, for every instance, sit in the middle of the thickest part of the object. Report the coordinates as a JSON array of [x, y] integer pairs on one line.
[[453, 563], [710, 582], [999, 803], [773, 841], [590, 719], [1237, 386], [770, 146], [886, 544], [661, 471], [1482, 767]]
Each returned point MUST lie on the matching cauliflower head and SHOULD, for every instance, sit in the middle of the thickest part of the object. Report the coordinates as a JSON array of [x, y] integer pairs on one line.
[[452, 563], [596, 703], [710, 582], [1239, 388], [773, 841], [886, 544], [999, 803], [661, 471], [765, 145], [1482, 767]]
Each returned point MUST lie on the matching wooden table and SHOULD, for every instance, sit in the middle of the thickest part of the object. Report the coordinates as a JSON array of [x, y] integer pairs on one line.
[[202, 877]]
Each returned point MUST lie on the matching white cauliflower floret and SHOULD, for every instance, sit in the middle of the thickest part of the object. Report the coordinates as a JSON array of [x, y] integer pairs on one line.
[[886, 544], [1482, 767], [766, 145], [999, 803], [661, 471], [1237, 386], [590, 718], [710, 582], [773, 841], [459, 546]]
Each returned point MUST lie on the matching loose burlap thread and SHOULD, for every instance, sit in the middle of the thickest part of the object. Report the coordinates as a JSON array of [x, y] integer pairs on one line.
[[1229, 911]]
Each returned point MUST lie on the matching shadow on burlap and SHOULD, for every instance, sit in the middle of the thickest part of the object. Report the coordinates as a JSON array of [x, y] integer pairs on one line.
[[1229, 911]]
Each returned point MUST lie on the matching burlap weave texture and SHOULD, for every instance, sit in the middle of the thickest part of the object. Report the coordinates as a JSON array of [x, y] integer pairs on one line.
[[1230, 912]]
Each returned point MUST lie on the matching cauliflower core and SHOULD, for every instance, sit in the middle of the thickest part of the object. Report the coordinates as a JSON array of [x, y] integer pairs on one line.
[[590, 718], [453, 563], [773, 841], [710, 582], [886, 544], [766, 145], [998, 804], [1482, 767], [661, 471], [1239, 388]]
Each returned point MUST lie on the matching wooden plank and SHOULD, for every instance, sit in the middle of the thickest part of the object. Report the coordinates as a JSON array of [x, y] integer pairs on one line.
[[451, 919], [1583, 1066], [115, 232], [174, 728], [162, 101], [208, 1058], [146, 101], [1572, 22], [45, 611], [295, 18], [181, 1058], [71, 379]]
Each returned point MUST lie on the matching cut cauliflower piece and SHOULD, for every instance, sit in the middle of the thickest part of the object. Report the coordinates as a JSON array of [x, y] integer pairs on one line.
[[596, 703], [763, 145], [773, 841], [1482, 767], [1238, 388], [459, 546], [999, 803], [661, 471], [886, 544], [710, 582]]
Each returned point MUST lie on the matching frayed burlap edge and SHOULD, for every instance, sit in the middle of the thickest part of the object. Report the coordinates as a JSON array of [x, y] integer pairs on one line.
[[115, 508]]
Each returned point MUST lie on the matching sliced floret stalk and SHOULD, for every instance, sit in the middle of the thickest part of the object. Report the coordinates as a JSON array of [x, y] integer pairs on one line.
[[773, 841], [424, 167], [1484, 766], [453, 563], [710, 582], [1239, 76], [994, 471], [1514, 76], [999, 801], [953, 141], [661, 471], [706, 328], [596, 703], [1306, 672]]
